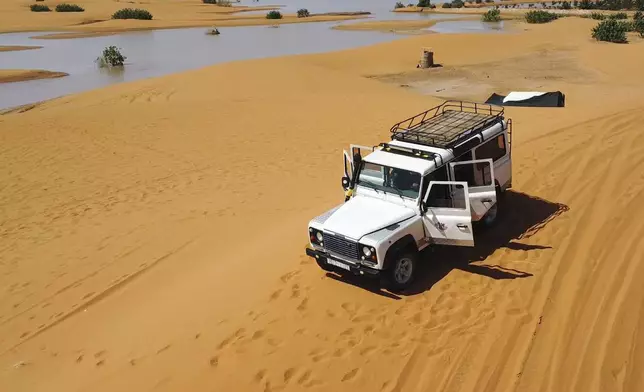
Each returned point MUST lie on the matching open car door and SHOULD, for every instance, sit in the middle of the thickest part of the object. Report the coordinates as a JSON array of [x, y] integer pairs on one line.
[[349, 158], [447, 217], [479, 176]]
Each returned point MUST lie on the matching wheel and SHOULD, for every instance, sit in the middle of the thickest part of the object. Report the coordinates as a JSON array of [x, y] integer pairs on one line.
[[402, 271]]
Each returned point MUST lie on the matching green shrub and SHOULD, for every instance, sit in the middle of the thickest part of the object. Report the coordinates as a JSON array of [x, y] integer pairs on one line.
[[638, 15], [39, 8], [566, 5], [610, 31], [489, 1], [132, 13], [424, 3], [111, 57], [597, 16], [586, 5], [224, 3], [447, 5], [458, 4], [209, 1], [274, 15], [304, 13], [63, 7], [213, 31], [619, 15], [638, 26], [540, 16], [399, 5], [492, 16]]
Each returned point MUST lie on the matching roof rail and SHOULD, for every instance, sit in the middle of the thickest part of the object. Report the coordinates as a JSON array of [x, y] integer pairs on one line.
[[445, 125]]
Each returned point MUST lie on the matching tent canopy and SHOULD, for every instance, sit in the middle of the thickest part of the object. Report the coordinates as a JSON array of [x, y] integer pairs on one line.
[[529, 98]]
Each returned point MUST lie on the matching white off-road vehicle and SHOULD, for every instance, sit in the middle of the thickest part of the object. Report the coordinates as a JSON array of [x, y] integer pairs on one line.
[[443, 170]]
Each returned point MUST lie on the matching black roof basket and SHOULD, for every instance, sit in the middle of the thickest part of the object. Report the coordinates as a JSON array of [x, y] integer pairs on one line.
[[448, 124]]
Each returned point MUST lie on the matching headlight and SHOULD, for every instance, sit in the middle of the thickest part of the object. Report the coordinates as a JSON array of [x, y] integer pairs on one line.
[[315, 236], [366, 251]]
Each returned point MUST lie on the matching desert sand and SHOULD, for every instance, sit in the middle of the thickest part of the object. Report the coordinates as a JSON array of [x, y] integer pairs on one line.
[[20, 75], [153, 233], [11, 48], [15, 16]]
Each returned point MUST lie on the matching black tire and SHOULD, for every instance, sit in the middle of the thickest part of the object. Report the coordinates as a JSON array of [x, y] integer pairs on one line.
[[402, 270]]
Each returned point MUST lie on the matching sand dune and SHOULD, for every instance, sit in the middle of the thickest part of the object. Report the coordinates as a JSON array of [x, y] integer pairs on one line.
[[20, 75], [16, 16], [11, 48], [153, 232]]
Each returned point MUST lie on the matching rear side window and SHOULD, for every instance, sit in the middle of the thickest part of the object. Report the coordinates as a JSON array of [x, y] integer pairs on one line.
[[493, 149]]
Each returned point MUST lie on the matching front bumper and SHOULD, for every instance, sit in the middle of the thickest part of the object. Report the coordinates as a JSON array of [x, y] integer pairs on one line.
[[322, 258]]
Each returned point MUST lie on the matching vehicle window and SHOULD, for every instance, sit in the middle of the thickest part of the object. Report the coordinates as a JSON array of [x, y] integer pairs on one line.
[[475, 174], [493, 149], [390, 180], [446, 196], [439, 174]]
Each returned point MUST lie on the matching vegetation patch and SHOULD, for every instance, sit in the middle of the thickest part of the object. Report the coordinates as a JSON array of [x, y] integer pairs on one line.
[[111, 57], [39, 8], [539, 16], [610, 30], [274, 15], [132, 13], [64, 7], [493, 15], [619, 15], [304, 13]]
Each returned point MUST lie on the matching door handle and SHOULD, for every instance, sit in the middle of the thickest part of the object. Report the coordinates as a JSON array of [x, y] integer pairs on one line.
[[462, 226], [487, 200]]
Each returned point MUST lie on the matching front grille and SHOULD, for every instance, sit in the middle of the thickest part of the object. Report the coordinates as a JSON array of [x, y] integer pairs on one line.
[[339, 245]]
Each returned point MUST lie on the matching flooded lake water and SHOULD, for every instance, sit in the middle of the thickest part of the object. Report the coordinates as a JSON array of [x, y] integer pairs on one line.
[[161, 52]]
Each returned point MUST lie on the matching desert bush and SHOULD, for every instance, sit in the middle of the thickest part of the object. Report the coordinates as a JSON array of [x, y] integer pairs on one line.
[[213, 31], [540, 16], [111, 57], [619, 15], [458, 4], [447, 5], [492, 16], [597, 16], [424, 3], [224, 3], [39, 8], [274, 15], [209, 1], [586, 5], [610, 30], [399, 5], [304, 13], [132, 13], [63, 7], [638, 26], [566, 5], [489, 1]]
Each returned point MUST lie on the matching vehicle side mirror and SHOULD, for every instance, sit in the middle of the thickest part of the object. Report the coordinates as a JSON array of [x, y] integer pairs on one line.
[[345, 183], [423, 207]]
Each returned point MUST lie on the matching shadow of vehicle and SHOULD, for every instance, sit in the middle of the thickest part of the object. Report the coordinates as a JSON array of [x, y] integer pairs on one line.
[[520, 217]]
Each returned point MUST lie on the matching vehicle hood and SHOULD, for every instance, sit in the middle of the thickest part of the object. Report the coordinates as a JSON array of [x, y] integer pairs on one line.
[[363, 215]]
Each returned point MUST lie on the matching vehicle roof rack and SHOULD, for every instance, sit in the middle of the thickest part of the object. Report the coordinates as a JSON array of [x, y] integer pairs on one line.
[[445, 125], [411, 152]]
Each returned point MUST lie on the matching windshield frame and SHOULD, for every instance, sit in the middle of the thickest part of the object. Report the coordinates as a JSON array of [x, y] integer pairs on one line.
[[390, 190]]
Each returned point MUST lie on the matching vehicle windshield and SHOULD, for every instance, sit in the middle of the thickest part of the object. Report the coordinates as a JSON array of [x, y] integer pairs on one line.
[[389, 179]]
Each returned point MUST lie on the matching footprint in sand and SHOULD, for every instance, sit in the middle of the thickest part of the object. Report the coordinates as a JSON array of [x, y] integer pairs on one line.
[[303, 305], [275, 295], [214, 361], [258, 334], [306, 376], [351, 375], [288, 374], [295, 291]]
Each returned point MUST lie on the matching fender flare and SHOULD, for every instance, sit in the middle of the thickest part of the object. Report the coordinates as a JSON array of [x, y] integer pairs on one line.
[[401, 244]]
